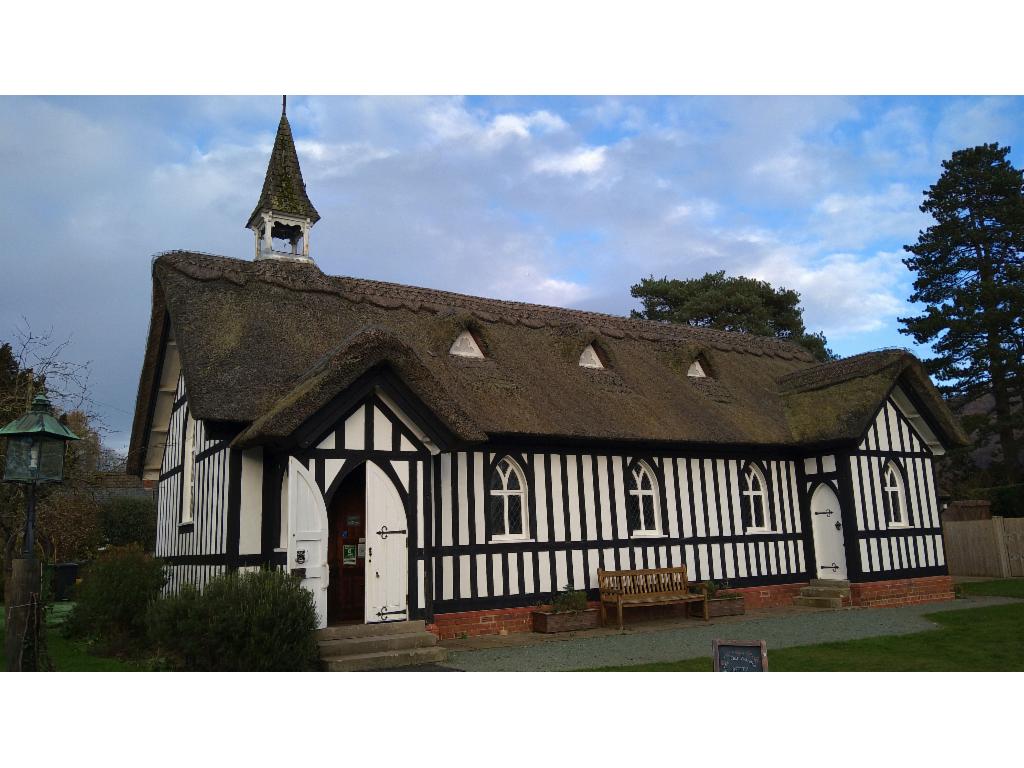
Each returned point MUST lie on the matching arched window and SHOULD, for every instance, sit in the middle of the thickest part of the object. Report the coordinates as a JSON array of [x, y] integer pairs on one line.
[[642, 501], [893, 496], [754, 499], [508, 501]]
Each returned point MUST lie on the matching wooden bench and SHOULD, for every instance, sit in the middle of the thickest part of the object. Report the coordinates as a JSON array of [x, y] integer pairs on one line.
[[652, 586]]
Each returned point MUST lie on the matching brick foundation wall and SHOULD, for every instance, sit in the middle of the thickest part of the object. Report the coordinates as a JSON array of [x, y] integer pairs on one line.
[[874, 594], [881, 594], [452, 626], [774, 596]]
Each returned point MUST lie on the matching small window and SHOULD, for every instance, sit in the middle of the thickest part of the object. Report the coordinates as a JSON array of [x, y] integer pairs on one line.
[[696, 370], [893, 496], [188, 464], [466, 346], [642, 508], [591, 358], [508, 502], [754, 500]]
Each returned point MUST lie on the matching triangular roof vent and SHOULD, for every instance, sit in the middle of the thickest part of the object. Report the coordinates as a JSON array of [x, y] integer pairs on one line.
[[590, 358], [465, 345]]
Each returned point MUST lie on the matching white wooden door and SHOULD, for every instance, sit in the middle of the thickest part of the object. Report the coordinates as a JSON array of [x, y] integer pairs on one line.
[[387, 550], [829, 541], [307, 535]]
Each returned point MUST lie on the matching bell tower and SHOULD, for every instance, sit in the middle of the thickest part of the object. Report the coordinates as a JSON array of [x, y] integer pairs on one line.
[[283, 216]]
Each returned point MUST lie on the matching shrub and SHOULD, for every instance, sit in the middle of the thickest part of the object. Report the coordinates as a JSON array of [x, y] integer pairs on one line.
[[569, 600], [127, 520], [257, 621], [113, 597]]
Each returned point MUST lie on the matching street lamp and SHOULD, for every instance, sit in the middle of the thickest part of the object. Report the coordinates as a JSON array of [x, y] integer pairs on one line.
[[36, 445], [35, 454]]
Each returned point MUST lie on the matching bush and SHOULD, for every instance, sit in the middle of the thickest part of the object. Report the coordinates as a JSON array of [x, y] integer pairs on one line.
[[126, 520], [569, 601], [113, 597], [258, 621]]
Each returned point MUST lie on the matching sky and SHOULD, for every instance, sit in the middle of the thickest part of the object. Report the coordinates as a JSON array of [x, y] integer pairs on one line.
[[563, 201]]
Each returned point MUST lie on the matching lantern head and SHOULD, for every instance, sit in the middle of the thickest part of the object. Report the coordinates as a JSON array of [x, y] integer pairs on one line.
[[35, 445]]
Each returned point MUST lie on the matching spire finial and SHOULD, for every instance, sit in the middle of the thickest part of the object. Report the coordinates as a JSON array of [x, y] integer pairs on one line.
[[284, 104]]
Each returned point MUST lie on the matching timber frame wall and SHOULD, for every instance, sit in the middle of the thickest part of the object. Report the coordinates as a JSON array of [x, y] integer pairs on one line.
[[575, 511]]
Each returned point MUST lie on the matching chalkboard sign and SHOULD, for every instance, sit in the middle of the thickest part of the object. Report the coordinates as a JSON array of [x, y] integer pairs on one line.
[[739, 655]]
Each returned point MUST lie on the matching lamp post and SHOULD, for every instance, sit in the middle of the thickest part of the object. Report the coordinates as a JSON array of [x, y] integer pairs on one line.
[[36, 445]]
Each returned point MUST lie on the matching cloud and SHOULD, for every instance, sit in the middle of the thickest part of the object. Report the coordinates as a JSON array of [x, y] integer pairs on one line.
[[843, 294], [582, 160], [522, 282], [520, 126], [851, 220], [700, 208], [558, 201]]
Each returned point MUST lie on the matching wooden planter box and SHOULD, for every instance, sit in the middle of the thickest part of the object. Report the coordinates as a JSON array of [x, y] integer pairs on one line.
[[570, 621], [720, 606]]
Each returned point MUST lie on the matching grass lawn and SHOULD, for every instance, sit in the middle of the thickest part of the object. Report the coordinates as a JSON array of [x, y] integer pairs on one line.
[[975, 640], [999, 588], [69, 655]]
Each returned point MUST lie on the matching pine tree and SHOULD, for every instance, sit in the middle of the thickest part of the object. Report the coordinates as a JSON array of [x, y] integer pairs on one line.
[[970, 279], [729, 304]]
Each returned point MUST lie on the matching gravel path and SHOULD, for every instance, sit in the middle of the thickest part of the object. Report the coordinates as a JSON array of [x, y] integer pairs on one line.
[[694, 639]]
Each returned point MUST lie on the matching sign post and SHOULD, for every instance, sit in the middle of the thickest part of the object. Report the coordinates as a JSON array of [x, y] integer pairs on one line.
[[739, 655]]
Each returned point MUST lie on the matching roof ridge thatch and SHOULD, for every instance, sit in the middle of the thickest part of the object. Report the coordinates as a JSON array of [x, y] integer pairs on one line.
[[834, 372], [309, 278]]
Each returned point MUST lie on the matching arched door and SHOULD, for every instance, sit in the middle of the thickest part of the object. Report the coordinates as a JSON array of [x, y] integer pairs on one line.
[[387, 550], [307, 535], [829, 541], [346, 550]]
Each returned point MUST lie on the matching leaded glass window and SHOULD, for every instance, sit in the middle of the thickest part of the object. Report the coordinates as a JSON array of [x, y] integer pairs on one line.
[[755, 499], [892, 495], [508, 501], [642, 500]]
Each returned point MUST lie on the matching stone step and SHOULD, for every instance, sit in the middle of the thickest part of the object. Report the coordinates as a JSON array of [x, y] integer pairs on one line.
[[818, 602], [845, 584], [351, 646], [341, 631], [386, 660], [839, 592]]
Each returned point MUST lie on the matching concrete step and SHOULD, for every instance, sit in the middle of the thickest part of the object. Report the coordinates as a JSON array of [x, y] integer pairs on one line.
[[341, 631], [818, 602], [386, 660], [351, 646], [830, 583], [839, 592]]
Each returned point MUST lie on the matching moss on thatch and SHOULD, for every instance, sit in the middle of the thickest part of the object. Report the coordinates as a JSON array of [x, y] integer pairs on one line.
[[267, 343]]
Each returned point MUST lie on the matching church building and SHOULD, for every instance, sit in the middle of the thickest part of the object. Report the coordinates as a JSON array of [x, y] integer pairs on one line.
[[412, 453]]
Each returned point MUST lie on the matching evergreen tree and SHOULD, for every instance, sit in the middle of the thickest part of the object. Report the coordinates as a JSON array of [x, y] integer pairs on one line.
[[729, 304], [970, 279]]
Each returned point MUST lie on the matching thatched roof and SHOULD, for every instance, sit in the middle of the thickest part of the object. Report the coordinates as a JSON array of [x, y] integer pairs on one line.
[[267, 344], [840, 398], [284, 191]]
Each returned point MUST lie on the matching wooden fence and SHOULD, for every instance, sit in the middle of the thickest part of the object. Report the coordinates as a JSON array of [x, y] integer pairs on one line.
[[985, 547]]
